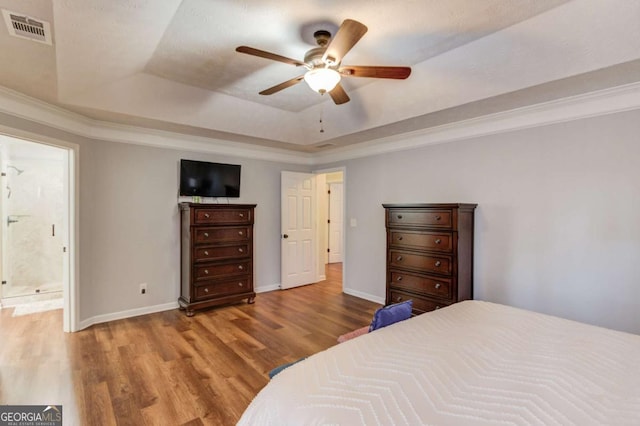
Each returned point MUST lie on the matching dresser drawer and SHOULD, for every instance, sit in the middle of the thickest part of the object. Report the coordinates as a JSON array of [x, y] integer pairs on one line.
[[223, 288], [421, 262], [217, 271], [439, 287], [211, 253], [414, 217], [434, 241], [204, 216], [420, 305], [221, 235], [222, 252]]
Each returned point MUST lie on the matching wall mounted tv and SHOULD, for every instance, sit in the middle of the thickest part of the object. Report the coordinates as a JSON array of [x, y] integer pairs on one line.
[[204, 179]]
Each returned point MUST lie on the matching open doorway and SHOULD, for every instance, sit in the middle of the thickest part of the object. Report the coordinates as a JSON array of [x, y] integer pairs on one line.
[[34, 226], [312, 228], [331, 224]]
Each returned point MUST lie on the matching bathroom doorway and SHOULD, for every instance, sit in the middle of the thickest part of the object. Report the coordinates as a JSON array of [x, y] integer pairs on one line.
[[33, 226]]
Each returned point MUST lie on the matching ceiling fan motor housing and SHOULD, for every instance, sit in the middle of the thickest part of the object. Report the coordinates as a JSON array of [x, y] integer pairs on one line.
[[313, 57]]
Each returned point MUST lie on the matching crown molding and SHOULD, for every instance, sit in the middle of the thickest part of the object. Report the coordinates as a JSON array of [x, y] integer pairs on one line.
[[23, 106], [602, 102]]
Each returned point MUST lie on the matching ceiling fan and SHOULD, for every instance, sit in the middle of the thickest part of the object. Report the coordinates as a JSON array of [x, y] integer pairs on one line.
[[323, 63]]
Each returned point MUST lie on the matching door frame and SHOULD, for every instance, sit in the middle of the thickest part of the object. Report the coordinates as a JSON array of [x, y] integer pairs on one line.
[[331, 187], [342, 169], [71, 264]]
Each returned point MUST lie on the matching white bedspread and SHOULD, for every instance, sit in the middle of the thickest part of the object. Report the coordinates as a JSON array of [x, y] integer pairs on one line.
[[473, 363]]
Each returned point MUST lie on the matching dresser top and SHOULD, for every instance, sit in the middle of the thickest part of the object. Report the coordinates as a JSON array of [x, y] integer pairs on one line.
[[431, 206], [185, 206]]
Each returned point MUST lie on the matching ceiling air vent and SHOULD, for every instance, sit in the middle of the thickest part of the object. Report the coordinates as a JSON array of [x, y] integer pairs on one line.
[[26, 27]]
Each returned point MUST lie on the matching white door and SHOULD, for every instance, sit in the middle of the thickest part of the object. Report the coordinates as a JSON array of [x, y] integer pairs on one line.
[[298, 229], [335, 222]]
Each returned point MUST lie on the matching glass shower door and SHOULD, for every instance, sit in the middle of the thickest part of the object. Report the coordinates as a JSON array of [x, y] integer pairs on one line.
[[32, 214]]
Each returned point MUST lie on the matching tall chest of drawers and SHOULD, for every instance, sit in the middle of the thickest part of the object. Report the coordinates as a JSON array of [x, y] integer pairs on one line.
[[429, 254], [216, 254]]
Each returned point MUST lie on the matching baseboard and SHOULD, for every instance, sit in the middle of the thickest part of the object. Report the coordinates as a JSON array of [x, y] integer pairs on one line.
[[127, 314], [266, 288], [365, 296]]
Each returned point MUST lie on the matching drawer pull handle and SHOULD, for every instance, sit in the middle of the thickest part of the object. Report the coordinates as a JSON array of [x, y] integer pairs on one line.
[[240, 233], [399, 258], [206, 272], [438, 217], [438, 285], [206, 290], [206, 253], [241, 214], [206, 234], [399, 278], [240, 267], [399, 298], [206, 215], [400, 238], [239, 284], [240, 250], [438, 263], [399, 216], [438, 240], [437, 306]]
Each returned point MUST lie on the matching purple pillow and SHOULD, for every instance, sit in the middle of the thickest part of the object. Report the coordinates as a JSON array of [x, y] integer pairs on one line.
[[391, 314]]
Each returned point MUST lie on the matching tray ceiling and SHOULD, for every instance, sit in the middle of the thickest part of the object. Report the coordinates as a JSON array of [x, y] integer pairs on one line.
[[172, 65]]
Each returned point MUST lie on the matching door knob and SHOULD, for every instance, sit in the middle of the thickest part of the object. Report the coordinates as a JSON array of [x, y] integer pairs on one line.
[[285, 236]]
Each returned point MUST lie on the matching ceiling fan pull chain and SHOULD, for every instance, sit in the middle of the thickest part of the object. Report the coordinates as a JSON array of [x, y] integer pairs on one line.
[[321, 125]]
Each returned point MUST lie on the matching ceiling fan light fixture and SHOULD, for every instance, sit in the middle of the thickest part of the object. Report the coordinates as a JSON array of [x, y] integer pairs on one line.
[[322, 80]]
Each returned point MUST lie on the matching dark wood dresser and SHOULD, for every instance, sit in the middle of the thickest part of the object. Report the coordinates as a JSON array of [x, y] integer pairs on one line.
[[216, 254], [429, 254]]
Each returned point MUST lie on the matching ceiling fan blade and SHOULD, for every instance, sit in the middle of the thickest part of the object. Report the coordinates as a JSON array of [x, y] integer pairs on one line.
[[399, 73], [349, 33], [281, 86], [338, 95], [268, 55]]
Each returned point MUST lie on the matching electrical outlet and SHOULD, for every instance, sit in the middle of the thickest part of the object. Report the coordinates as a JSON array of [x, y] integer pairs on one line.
[[143, 288]]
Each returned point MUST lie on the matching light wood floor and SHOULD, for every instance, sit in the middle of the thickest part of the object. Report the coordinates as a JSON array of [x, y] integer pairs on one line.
[[165, 368]]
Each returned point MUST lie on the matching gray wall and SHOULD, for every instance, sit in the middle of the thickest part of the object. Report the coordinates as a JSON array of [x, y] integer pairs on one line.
[[129, 223], [557, 223]]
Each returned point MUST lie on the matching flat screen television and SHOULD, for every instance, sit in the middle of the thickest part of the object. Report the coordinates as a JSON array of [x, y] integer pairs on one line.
[[204, 179]]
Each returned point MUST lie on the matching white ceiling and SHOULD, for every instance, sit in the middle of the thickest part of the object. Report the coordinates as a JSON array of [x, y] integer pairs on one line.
[[172, 65]]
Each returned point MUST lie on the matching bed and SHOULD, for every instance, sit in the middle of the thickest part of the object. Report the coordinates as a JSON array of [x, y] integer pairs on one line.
[[472, 363]]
